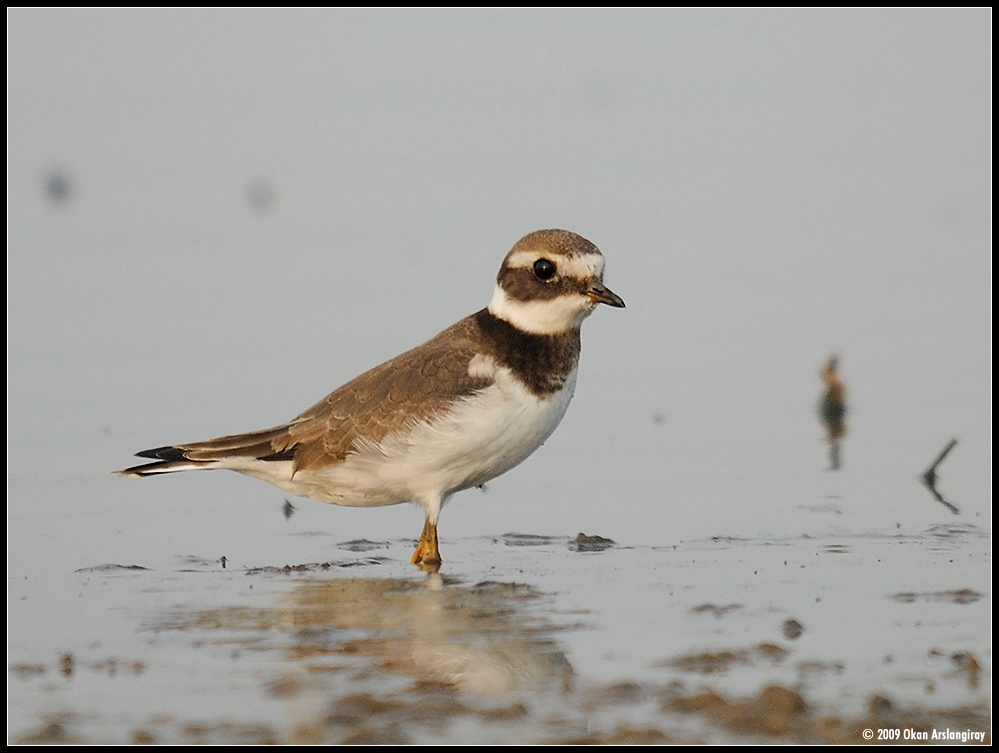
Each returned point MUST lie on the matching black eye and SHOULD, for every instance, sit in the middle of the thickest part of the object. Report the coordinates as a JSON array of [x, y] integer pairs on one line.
[[544, 269]]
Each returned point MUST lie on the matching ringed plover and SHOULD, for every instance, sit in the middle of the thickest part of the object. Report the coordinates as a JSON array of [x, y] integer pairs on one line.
[[453, 413]]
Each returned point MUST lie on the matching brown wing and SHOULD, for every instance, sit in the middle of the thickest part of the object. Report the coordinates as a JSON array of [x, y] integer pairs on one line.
[[415, 385]]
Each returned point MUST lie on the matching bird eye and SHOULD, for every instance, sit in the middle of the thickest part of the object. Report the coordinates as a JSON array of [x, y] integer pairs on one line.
[[544, 269]]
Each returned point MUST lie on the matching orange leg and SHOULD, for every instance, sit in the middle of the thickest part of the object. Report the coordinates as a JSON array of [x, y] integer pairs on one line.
[[426, 551]]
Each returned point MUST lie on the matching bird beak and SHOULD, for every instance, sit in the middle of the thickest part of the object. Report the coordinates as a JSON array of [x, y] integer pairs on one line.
[[600, 293]]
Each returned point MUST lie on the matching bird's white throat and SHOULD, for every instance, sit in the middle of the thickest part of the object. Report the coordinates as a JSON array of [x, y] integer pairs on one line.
[[541, 317]]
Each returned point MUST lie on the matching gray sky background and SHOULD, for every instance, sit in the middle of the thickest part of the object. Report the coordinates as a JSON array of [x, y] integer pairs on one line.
[[768, 187]]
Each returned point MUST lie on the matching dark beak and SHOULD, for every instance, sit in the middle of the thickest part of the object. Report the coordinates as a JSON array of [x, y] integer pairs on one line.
[[600, 293]]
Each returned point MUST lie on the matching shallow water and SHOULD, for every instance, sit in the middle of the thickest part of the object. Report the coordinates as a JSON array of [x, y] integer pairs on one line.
[[521, 638]]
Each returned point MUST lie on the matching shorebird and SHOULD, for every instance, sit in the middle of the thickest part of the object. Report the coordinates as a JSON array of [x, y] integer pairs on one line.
[[449, 415]]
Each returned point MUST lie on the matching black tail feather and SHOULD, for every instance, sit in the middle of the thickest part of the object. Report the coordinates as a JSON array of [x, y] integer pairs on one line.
[[162, 453]]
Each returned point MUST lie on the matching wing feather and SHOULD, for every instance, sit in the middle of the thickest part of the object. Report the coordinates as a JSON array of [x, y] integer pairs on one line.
[[414, 386]]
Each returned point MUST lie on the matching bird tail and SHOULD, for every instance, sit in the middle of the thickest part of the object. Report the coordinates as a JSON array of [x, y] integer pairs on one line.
[[269, 444], [169, 460]]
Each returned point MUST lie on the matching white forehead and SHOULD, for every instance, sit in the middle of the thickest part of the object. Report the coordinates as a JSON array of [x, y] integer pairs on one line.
[[580, 266]]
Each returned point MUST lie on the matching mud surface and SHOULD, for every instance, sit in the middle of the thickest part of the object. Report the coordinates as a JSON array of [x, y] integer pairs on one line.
[[525, 639]]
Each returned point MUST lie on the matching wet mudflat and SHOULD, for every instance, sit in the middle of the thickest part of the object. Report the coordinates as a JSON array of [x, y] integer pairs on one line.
[[522, 638]]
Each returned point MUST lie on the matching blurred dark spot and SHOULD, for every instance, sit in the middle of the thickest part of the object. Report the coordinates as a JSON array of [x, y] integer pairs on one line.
[[958, 596], [288, 509], [309, 567], [54, 732], [58, 187], [27, 671], [658, 419], [527, 539], [619, 693], [515, 711], [832, 411], [503, 588], [775, 711], [363, 545], [771, 652], [285, 687], [949, 535], [260, 196], [720, 662], [879, 704], [110, 568], [143, 737], [715, 610], [792, 629], [710, 662], [584, 543], [968, 664], [836, 549]]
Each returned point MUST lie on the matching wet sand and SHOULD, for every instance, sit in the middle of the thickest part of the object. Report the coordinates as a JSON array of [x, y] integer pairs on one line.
[[522, 638]]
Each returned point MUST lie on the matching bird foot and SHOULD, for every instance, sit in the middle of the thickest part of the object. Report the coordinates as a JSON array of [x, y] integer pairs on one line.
[[427, 554]]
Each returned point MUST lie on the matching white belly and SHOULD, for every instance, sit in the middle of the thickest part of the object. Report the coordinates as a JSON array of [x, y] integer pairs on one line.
[[482, 437]]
